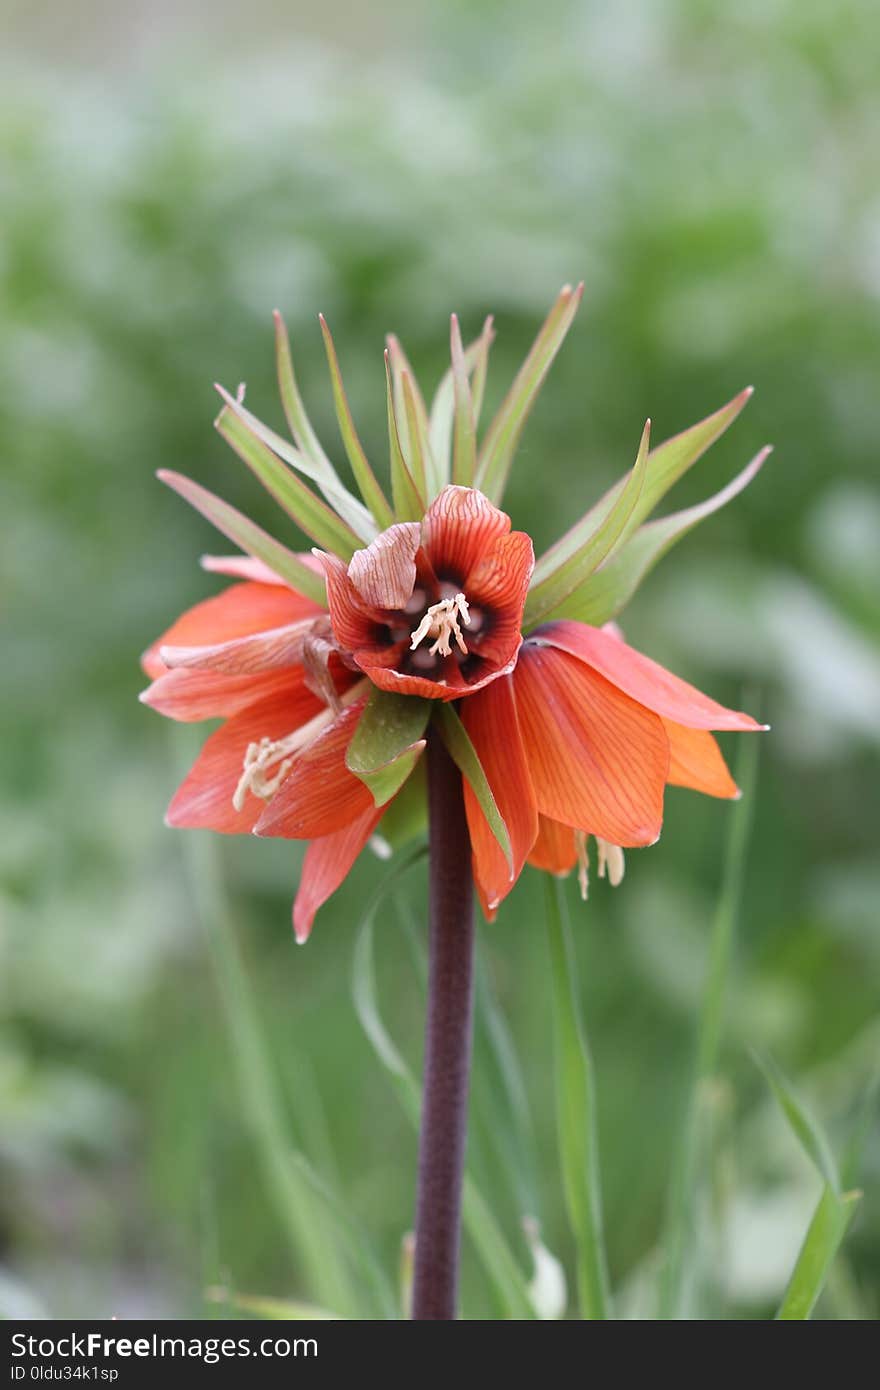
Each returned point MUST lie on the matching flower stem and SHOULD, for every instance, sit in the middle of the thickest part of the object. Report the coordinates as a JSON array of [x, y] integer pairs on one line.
[[447, 1043]]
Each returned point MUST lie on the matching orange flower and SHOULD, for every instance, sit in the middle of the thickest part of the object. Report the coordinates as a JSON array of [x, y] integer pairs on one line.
[[435, 617]]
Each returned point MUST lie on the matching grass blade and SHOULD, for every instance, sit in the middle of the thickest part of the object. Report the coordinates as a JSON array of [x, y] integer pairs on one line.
[[805, 1129], [576, 1114], [826, 1231]]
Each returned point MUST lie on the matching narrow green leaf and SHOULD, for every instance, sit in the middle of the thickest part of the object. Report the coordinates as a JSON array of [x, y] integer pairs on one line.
[[291, 400], [364, 475], [324, 474], [476, 359], [805, 1129], [505, 1276], [576, 1113], [409, 505], [573, 570], [309, 512], [272, 1309], [686, 1177], [666, 464], [464, 448], [824, 1236], [503, 435], [412, 421], [248, 536], [388, 742], [601, 596], [464, 755]]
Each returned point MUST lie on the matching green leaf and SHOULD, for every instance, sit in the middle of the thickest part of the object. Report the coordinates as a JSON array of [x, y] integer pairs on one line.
[[503, 435], [576, 1113], [309, 512], [476, 360], [249, 537], [388, 742], [324, 474], [407, 815], [409, 505], [464, 755], [805, 1129], [601, 597], [272, 1309], [666, 464], [572, 570], [824, 1236], [412, 419], [505, 1276], [364, 475], [291, 400], [464, 448]]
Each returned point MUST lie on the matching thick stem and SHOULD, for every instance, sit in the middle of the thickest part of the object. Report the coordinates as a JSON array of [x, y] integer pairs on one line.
[[447, 1043]]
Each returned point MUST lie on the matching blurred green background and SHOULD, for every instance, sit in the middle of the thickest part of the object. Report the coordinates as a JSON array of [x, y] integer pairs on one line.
[[168, 177]]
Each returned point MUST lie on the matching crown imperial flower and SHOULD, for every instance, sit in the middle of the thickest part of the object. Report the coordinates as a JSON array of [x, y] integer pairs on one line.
[[427, 609]]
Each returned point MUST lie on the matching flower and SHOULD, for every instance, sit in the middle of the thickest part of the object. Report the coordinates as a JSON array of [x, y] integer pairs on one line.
[[329, 669]]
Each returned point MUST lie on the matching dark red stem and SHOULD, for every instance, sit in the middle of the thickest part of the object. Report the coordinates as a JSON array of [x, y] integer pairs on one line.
[[447, 1043]]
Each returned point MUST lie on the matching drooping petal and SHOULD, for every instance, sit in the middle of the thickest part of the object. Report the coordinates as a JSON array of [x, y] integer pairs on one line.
[[204, 799], [458, 530], [640, 677], [271, 650], [326, 864], [244, 567], [192, 695], [491, 721], [554, 850], [598, 760], [695, 761], [236, 612], [384, 572], [319, 795]]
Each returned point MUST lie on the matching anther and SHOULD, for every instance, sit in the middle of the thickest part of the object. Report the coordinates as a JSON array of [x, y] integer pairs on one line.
[[442, 623]]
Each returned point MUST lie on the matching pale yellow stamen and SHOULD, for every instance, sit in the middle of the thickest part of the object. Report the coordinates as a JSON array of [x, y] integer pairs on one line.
[[611, 858], [580, 840], [267, 763], [441, 622]]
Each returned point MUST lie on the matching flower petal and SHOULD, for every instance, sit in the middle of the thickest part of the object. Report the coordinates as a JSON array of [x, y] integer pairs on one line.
[[500, 582], [384, 573], [319, 794], [327, 862], [492, 724], [554, 850], [640, 677], [204, 799], [355, 623], [271, 650], [695, 761], [244, 567], [458, 530], [192, 695], [598, 760], [236, 612]]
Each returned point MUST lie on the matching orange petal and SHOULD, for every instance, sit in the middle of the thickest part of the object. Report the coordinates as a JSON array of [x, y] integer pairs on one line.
[[271, 650], [491, 720], [500, 582], [384, 573], [641, 678], [237, 611], [319, 794], [598, 760], [327, 862], [204, 799], [695, 761], [458, 530], [193, 695], [554, 849], [355, 623]]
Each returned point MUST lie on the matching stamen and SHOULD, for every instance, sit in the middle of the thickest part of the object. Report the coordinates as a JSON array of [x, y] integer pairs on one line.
[[441, 622], [580, 840], [267, 763], [611, 858]]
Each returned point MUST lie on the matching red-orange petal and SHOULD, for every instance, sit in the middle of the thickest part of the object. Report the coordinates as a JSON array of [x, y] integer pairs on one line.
[[500, 583], [237, 611], [272, 650], [695, 761], [554, 850], [458, 530], [492, 723], [319, 794], [640, 677], [598, 760], [355, 623], [192, 695], [204, 799], [327, 862]]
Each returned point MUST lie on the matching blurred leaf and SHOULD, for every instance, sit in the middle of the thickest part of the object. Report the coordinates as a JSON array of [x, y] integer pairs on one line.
[[827, 1229], [271, 1309], [805, 1129], [387, 742]]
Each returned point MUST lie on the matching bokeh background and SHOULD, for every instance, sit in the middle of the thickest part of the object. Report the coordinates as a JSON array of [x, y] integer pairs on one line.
[[169, 175]]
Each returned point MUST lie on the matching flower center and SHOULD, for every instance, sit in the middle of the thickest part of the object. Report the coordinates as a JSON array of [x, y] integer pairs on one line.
[[267, 762], [441, 622]]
